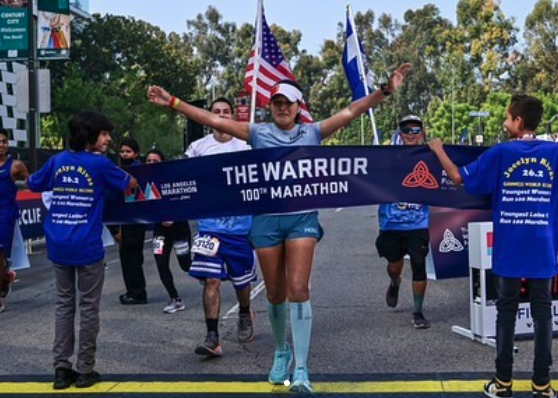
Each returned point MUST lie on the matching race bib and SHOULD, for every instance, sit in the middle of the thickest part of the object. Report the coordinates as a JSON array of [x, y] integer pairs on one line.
[[158, 245], [206, 245]]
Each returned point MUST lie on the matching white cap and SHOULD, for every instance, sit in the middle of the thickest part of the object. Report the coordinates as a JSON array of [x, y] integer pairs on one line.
[[291, 92]]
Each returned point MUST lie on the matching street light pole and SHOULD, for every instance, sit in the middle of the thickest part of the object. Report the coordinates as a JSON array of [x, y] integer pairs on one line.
[[33, 100]]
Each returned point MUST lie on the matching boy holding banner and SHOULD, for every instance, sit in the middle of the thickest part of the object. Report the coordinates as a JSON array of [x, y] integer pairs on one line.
[[78, 179], [11, 172], [519, 175]]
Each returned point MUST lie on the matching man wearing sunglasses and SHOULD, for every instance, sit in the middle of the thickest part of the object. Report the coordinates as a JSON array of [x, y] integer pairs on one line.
[[11, 172], [404, 230]]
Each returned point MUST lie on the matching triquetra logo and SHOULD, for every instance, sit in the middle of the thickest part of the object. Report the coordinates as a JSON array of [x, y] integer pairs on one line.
[[420, 177]]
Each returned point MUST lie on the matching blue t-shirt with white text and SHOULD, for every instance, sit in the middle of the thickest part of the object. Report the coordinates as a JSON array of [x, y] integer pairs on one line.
[[519, 176], [402, 216], [73, 226]]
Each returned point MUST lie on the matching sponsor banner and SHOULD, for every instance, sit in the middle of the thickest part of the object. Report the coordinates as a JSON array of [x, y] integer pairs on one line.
[[32, 213], [449, 241], [281, 180], [53, 35]]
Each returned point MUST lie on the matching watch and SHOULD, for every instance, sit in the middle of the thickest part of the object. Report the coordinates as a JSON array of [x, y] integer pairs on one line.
[[384, 89]]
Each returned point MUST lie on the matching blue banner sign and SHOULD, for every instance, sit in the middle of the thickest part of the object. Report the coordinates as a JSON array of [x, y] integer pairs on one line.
[[291, 179]]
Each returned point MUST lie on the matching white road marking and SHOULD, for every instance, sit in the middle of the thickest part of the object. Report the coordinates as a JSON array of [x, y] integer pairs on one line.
[[253, 294]]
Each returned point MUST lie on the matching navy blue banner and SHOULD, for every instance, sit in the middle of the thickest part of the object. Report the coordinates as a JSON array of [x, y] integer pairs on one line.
[[449, 241], [290, 179], [32, 213]]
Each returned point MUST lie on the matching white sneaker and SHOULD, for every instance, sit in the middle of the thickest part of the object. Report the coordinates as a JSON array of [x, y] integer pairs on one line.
[[174, 305], [2, 306]]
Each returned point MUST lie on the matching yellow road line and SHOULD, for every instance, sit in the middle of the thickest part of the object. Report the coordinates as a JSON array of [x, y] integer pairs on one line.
[[193, 387]]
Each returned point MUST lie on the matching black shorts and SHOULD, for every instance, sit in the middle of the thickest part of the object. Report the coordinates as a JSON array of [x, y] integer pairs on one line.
[[393, 245]]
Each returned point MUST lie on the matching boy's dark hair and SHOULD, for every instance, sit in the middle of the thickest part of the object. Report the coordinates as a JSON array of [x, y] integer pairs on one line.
[[221, 99], [130, 142], [157, 152], [3, 131], [530, 109], [85, 128]]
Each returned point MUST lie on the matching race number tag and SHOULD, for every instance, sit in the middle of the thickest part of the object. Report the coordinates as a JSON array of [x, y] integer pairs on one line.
[[158, 245], [206, 245]]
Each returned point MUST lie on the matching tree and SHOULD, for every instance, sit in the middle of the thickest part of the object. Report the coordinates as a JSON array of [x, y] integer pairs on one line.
[[541, 36], [113, 60]]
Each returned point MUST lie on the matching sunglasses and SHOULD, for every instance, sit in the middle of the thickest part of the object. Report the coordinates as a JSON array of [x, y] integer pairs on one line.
[[411, 130]]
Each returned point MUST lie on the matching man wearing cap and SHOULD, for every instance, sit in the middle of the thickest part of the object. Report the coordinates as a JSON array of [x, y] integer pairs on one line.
[[404, 230]]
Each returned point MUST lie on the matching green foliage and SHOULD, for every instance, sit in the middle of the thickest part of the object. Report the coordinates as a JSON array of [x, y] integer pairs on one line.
[[473, 65]]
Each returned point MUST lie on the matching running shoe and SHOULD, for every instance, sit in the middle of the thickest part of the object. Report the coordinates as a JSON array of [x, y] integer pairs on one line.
[[419, 321], [210, 347], [301, 383], [174, 306], [279, 372], [245, 332], [495, 388], [392, 295], [543, 391]]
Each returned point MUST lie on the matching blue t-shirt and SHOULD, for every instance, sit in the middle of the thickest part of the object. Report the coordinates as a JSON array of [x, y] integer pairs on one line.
[[8, 193], [520, 177], [267, 135], [74, 224], [402, 216]]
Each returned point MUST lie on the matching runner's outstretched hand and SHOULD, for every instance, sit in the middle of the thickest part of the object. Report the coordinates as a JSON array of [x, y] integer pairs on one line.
[[158, 95], [397, 77]]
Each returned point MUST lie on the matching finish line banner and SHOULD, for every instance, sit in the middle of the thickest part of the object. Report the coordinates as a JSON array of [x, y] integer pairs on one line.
[[279, 180]]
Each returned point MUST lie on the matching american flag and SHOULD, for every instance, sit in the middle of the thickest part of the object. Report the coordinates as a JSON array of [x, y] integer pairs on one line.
[[272, 67]]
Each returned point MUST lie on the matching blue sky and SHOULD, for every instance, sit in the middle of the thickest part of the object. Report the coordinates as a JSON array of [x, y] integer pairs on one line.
[[316, 19]]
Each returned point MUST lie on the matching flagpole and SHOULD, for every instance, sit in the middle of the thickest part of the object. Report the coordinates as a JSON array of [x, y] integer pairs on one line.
[[362, 77], [257, 45]]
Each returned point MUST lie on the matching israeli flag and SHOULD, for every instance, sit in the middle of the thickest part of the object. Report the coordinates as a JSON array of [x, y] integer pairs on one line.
[[351, 54]]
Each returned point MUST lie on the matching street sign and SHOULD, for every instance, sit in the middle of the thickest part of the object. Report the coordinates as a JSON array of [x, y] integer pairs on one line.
[[479, 114], [479, 139], [56, 6], [22, 91], [14, 40]]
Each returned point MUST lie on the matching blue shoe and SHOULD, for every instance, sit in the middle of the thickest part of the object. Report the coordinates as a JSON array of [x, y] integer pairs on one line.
[[301, 382], [279, 372]]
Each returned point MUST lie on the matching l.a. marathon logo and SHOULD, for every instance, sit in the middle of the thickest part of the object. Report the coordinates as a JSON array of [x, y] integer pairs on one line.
[[450, 243], [420, 177], [151, 192]]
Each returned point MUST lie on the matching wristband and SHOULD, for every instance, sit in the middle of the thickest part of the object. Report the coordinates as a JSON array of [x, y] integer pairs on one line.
[[384, 89], [174, 102]]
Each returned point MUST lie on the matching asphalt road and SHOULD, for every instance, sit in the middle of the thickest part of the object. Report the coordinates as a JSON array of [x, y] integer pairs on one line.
[[354, 333]]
